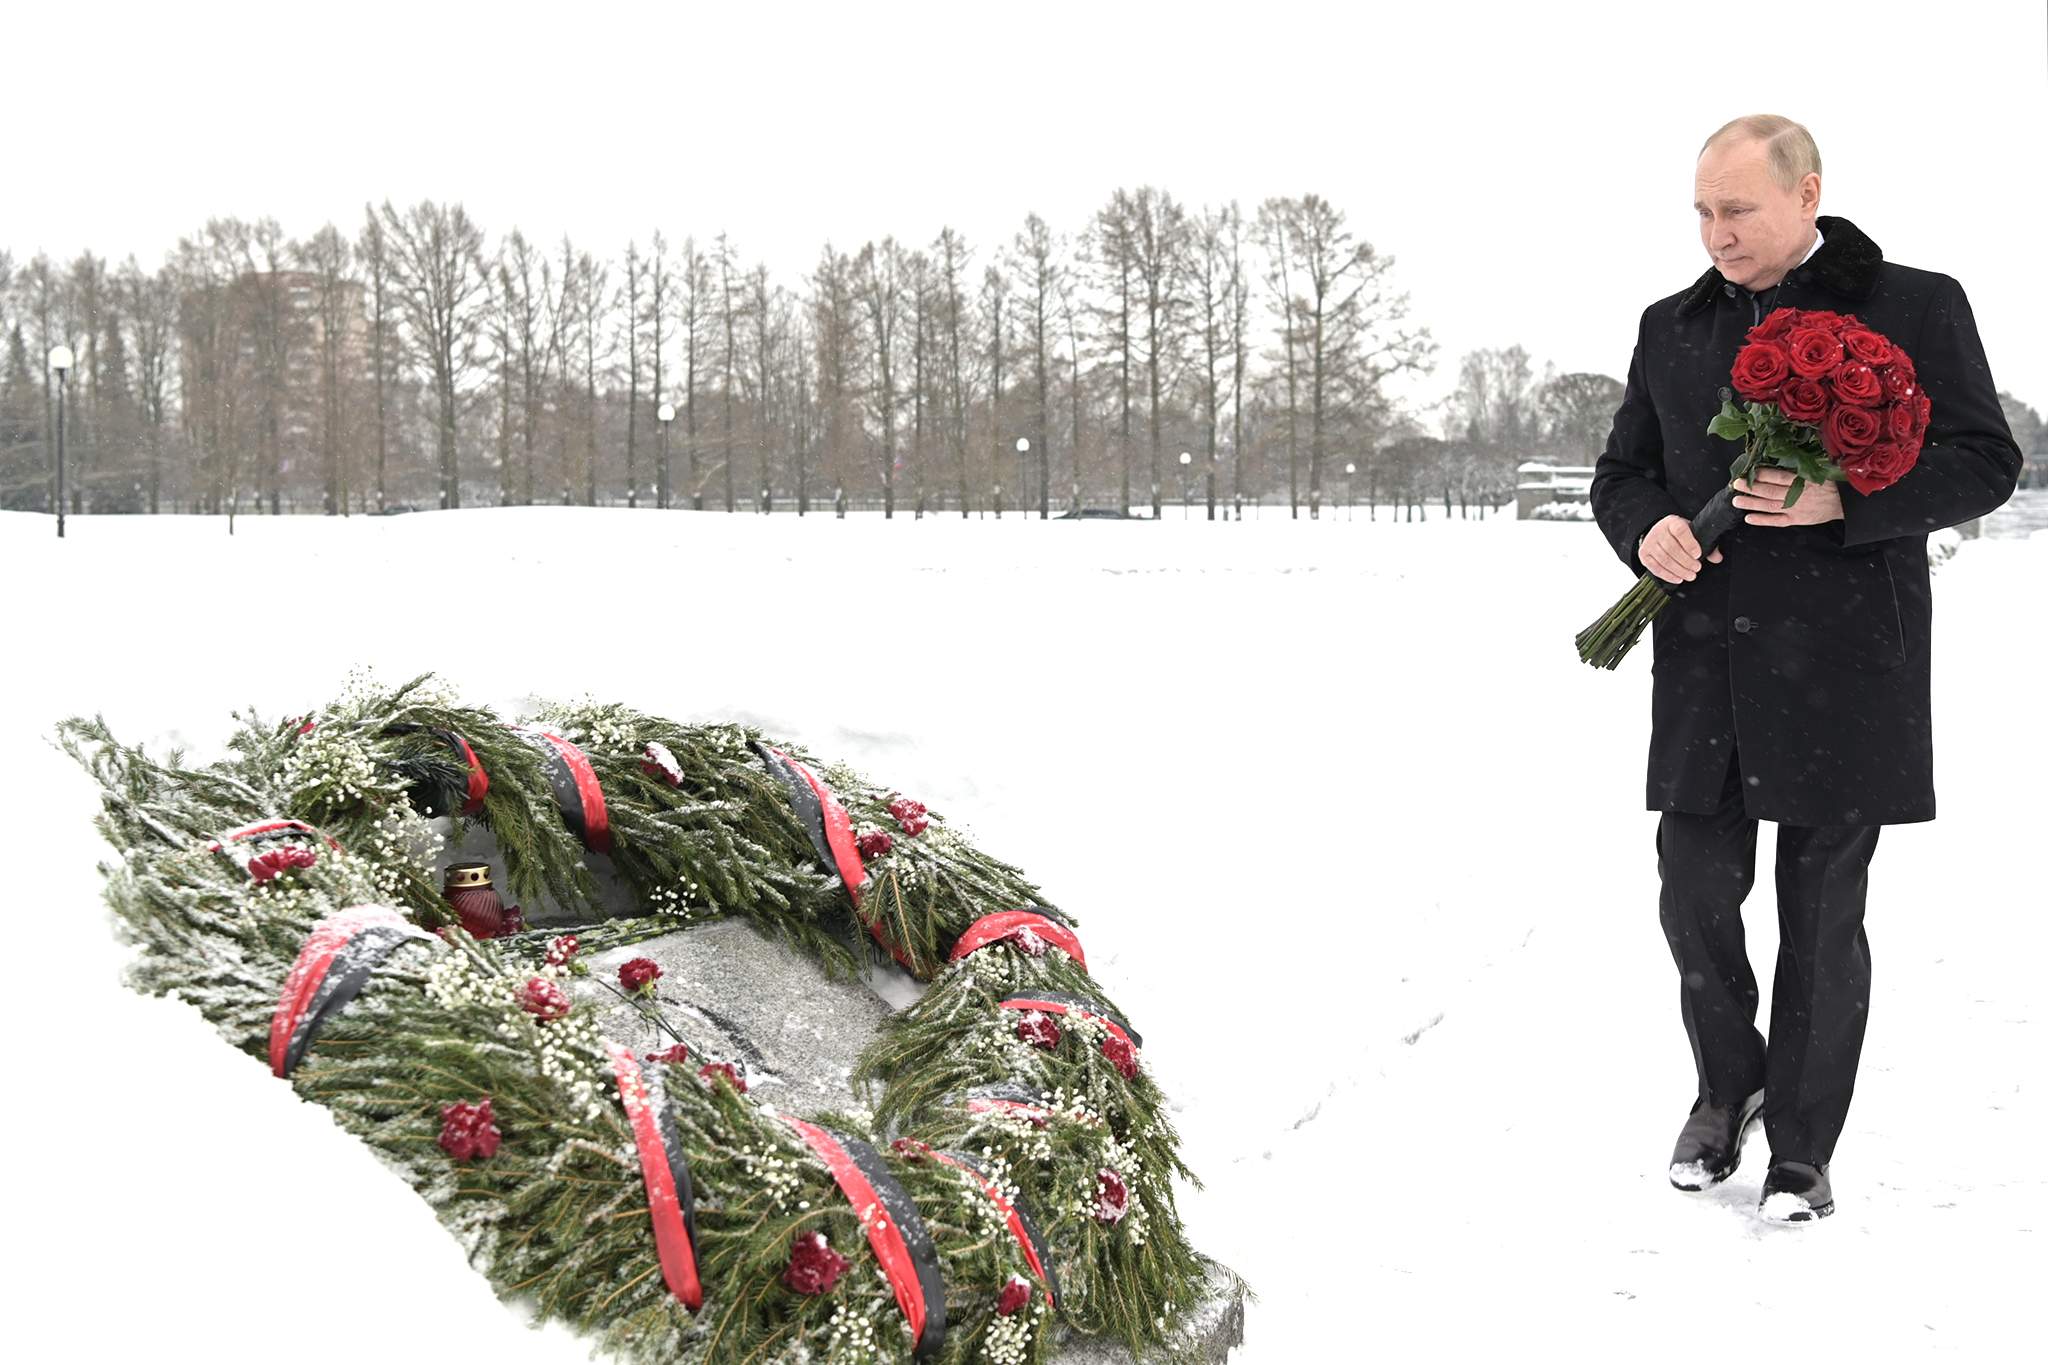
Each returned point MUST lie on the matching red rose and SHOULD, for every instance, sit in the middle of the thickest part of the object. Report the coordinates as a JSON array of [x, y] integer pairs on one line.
[[1858, 383], [813, 1266], [1803, 400], [674, 1055], [1760, 368], [1922, 408], [561, 949], [875, 843], [467, 1130], [1038, 1029], [915, 824], [1814, 352], [1777, 325], [1848, 430], [1878, 467], [543, 999], [266, 865], [1899, 422], [639, 975], [1016, 1293], [709, 1070], [1121, 1056], [1112, 1197], [1898, 377], [1867, 346]]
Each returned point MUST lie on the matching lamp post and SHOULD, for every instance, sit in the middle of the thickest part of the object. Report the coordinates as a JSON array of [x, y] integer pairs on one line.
[[1350, 468], [61, 362], [1185, 459], [1214, 459], [999, 502], [666, 413], [1024, 476]]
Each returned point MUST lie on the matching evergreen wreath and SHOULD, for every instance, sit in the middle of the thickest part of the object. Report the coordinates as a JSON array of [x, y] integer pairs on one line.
[[287, 892]]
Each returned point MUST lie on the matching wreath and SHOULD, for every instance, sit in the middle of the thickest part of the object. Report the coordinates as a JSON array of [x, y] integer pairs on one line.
[[1014, 1173]]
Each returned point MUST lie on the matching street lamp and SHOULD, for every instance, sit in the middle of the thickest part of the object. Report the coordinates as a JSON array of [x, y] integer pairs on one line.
[[1215, 458], [1349, 469], [666, 413], [1185, 458], [61, 362], [1024, 475], [999, 502]]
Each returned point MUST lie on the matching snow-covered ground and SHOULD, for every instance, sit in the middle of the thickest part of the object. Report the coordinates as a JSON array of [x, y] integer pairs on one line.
[[1355, 840]]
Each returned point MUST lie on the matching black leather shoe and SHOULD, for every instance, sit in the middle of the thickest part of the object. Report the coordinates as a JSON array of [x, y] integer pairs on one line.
[[1710, 1145], [1795, 1192]]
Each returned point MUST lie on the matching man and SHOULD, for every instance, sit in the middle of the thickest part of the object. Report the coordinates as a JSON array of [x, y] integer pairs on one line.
[[1790, 678]]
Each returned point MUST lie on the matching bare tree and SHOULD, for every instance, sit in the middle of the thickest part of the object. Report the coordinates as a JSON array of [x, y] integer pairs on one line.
[[630, 297], [731, 301], [659, 287], [328, 257], [1159, 243], [373, 250], [437, 267], [949, 265], [880, 272], [1041, 274]]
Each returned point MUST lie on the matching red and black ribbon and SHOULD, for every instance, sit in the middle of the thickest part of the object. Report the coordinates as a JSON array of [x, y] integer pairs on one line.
[[1057, 1002], [1006, 1097], [895, 1231], [479, 782], [242, 844], [331, 969], [665, 1171], [826, 821], [1001, 925], [577, 793], [1036, 1255]]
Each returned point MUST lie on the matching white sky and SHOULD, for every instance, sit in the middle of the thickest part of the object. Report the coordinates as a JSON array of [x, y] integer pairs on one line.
[[1529, 168]]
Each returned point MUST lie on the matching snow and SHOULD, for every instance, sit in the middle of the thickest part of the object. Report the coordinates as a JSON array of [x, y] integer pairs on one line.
[[1348, 832]]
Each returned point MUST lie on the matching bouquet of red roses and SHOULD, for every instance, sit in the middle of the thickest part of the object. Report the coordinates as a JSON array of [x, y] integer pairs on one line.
[[1823, 396]]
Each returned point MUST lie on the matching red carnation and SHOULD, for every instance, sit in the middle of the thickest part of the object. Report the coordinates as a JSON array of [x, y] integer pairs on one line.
[[543, 999], [561, 949], [467, 1130], [1112, 1197], [1814, 351], [1038, 1029], [1848, 431], [813, 1266], [675, 1055], [515, 921], [1121, 1055], [1867, 346], [657, 761], [875, 843], [1760, 368], [910, 1149], [639, 975], [915, 824], [1858, 383], [268, 864], [902, 807], [1027, 941], [731, 1073], [1803, 400], [1016, 1293]]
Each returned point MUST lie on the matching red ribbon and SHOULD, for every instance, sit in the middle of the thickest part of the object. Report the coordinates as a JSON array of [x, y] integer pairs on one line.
[[1028, 1002], [838, 831], [309, 969], [479, 780], [883, 1234], [1010, 1216], [994, 928], [671, 1236], [597, 830]]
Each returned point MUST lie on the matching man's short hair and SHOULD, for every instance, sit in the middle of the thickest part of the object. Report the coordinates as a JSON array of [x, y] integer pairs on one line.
[[1791, 147]]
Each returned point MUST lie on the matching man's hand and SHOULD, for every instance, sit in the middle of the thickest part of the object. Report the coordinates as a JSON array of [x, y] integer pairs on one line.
[[1765, 500], [1672, 552]]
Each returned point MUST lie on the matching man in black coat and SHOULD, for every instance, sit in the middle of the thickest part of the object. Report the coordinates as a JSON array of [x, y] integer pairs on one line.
[[1790, 671]]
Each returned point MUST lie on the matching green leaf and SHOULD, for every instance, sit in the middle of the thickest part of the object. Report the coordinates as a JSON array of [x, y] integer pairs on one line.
[[1728, 428], [1792, 496]]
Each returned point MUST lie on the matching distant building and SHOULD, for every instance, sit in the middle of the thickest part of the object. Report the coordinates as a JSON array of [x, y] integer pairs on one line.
[[1538, 484]]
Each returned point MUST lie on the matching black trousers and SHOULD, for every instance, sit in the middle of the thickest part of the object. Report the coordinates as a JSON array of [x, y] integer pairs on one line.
[[1820, 996]]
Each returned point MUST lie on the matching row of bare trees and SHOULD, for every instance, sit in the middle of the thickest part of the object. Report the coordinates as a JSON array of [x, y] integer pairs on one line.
[[411, 364]]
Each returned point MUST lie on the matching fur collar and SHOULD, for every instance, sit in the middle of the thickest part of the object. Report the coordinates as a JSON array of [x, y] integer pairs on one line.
[[1847, 263]]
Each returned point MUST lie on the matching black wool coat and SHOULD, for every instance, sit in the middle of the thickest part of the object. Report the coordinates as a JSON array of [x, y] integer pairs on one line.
[[1806, 649]]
